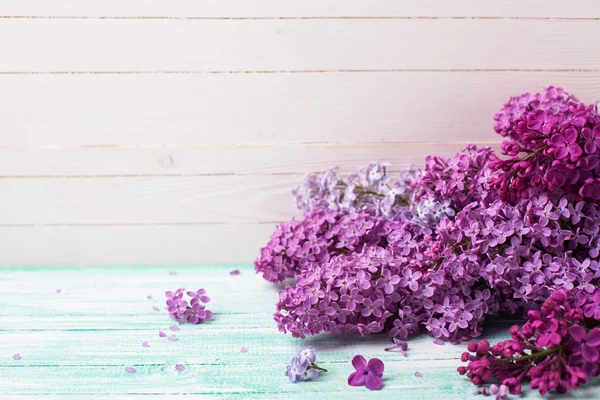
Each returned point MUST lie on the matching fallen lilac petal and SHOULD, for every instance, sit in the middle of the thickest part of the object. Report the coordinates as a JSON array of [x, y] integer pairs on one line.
[[235, 272], [174, 328], [17, 357], [180, 367], [145, 344], [58, 290], [172, 273], [155, 308], [172, 338], [243, 349], [162, 334], [439, 342], [149, 297], [418, 374], [130, 370]]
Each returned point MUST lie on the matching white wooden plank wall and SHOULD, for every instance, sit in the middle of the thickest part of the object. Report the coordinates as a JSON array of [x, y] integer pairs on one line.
[[147, 132]]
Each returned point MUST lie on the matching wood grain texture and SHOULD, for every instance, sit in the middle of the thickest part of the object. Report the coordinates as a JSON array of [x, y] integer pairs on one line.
[[265, 109], [134, 245], [159, 199], [296, 45], [78, 342], [304, 9], [193, 161]]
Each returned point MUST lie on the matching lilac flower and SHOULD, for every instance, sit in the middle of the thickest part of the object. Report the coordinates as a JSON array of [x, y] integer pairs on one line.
[[162, 334], [388, 281], [234, 272], [194, 312], [303, 366], [410, 279], [243, 349], [172, 337], [145, 344], [16, 357], [586, 343], [180, 367], [368, 374], [130, 370], [418, 374], [398, 344], [307, 355]]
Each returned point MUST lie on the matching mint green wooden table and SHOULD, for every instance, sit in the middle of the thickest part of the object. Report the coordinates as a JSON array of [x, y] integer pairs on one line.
[[78, 342]]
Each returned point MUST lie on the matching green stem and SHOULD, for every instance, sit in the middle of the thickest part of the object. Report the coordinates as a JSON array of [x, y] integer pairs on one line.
[[315, 366], [538, 354]]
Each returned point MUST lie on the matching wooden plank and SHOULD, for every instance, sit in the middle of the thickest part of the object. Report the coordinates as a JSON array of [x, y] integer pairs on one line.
[[264, 109], [185, 161], [304, 9], [132, 245], [102, 45], [147, 200], [77, 356]]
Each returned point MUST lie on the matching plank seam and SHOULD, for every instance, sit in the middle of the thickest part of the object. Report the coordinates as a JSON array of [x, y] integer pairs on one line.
[[305, 71], [313, 18], [249, 145]]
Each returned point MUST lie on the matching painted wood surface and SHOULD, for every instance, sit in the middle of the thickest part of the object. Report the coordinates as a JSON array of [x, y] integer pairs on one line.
[[253, 110], [586, 9], [140, 45], [78, 342], [133, 132]]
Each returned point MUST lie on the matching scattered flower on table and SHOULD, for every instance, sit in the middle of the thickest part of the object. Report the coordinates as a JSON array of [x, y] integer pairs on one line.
[[243, 349], [234, 272], [16, 357], [401, 345], [58, 291], [174, 328], [130, 370], [172, 273], [303, 367], [367, 373], [149, 297], [439, 342], [162, 334], [418, 374], [180, 367], [145, 344], [155, 308], [172, 338], [193, 311]]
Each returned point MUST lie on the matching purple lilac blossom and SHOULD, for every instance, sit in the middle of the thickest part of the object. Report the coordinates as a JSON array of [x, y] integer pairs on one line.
[[557, 349], [193, 311], [553, 147], [321, 235], [368, 374]]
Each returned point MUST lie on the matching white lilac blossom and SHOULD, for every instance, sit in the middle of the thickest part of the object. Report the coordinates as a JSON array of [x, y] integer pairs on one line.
[[303, 366], [370, 189]]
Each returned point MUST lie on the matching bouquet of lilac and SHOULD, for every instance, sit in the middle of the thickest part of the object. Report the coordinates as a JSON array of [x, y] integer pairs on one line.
[[441, 248]]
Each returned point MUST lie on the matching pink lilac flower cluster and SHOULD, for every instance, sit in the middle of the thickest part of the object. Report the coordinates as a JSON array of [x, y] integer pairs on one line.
[[193, 311], [557, 349], [554, 146], [320, 235], [414, 278]]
